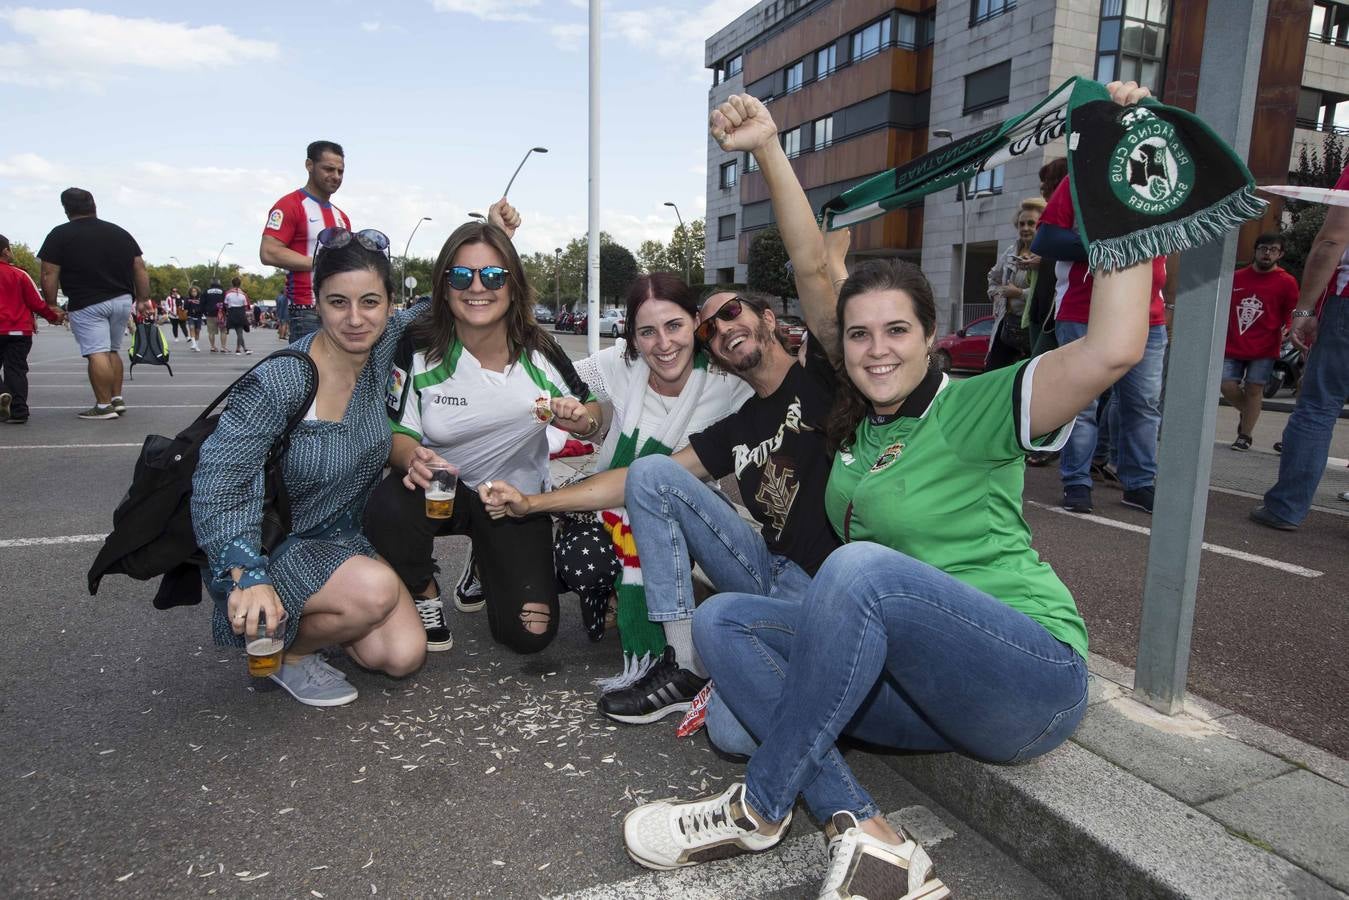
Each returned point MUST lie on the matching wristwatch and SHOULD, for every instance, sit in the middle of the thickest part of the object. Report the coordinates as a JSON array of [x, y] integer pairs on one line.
[[1302, 313]]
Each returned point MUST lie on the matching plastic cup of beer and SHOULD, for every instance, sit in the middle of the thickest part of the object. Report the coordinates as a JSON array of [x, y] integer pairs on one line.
[[440, 492], [264, 653]]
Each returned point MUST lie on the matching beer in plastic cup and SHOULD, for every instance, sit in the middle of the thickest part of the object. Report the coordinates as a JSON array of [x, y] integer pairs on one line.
[[440, 492], [264, 653]]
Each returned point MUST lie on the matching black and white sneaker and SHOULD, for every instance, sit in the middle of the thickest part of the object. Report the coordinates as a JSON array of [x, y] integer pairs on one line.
[[665, 689], [468, 594], [432, 611]]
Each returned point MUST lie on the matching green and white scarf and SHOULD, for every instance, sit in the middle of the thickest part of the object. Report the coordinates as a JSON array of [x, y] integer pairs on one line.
[[643, 640], [1146, 180]]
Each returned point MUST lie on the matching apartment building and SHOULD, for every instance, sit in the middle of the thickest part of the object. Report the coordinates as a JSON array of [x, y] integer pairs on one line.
[[860, 86]]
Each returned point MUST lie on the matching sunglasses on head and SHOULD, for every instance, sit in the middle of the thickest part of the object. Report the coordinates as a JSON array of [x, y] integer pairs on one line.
[[727, 312], [336, 236], [461, 277]]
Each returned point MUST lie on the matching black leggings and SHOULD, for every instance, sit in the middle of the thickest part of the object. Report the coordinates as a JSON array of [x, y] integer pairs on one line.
[[515, 556], [177, 325]]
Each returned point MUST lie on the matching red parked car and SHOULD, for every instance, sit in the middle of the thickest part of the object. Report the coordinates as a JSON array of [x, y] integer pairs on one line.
[[966, 349], [791, 329]]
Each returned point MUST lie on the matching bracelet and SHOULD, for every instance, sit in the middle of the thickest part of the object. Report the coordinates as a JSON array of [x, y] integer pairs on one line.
[[1303, 313], [594, 427], [1169, 305]]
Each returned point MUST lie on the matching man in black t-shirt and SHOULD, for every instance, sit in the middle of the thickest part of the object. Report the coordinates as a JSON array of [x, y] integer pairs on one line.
[[210, 307], [99, 267], [774, 446]]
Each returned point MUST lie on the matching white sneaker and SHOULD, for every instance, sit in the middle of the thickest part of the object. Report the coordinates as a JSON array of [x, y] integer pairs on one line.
[[671, 834], [861, 866]]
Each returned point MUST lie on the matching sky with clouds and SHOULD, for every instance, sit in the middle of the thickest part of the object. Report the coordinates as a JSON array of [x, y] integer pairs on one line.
[[187, 120]]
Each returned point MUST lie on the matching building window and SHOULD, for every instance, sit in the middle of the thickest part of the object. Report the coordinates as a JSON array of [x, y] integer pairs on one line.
[[728, 173], [1131, 44], [983, 10], [796, 75], [908, 33], [726, 227], [791, 142], [824, 132], [988, 87], [1323, 111], [734, 65], [751, 164], [1330, 23], [824, 62], [871, 39], [725, 276], [989, 182]]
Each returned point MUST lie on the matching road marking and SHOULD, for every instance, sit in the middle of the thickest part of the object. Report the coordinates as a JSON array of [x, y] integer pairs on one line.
[[1332, 462], [1212, 548], [1342, 513], [799, 861], [46, 541], [133, 406], [65, 446]]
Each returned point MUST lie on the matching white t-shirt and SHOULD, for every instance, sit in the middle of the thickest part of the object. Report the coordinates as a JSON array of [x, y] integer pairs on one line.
[[608, 375], [479, 420]]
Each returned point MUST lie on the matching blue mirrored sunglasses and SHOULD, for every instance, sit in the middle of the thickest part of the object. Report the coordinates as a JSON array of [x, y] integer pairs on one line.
[[460, 277]]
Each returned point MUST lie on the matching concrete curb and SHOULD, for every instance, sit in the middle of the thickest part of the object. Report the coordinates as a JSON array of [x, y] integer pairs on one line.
[[1089, 827]]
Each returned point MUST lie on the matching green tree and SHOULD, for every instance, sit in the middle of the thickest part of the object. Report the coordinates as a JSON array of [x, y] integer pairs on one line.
[[1299, 236], [1316, 169], [653, 257], [688, 247], [25, 259], [618, 270], [767, 269]]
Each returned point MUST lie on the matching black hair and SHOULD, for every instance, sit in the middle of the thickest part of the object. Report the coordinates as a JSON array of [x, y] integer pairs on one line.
[[873, 275], [316, 150], [4, 243], [236, 281], [77, 202], [1271, 237], [352, 257]]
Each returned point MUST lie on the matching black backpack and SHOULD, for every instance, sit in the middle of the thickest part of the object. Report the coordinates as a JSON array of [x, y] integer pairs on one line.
[[152, 531], [148, 345]]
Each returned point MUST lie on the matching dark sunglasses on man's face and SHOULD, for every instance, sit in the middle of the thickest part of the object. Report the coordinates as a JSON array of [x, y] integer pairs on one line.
[[336, 236], [461, 277], [728, 312]]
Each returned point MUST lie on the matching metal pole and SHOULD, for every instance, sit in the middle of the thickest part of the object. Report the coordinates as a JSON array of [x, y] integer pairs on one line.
[[406, 247], [593, 249], [958, 313], [557, 282], [687, 261], [1233, 43], [216, 264], [521, 166]]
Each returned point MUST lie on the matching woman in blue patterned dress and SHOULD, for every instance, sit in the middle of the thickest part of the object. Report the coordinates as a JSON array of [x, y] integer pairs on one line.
[[324, 584]]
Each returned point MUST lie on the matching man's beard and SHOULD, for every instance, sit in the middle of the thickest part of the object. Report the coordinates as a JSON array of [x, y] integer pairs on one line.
[[762, 335], [1264, 267]]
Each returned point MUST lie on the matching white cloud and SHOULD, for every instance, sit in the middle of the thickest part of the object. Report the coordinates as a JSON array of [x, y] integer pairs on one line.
[[370, 26], [570, 37], [491, 10], [60, 46], [676, 34]]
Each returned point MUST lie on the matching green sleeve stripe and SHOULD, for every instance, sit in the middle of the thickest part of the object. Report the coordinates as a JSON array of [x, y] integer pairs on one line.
[[403, 429], [537, 376], [442, 372]]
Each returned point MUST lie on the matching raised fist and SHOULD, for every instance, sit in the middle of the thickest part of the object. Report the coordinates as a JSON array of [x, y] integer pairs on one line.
[[504, 216], [742, 123]]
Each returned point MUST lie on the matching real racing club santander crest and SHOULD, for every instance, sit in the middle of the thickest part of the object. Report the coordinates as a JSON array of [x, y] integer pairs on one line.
[[1150, 170]]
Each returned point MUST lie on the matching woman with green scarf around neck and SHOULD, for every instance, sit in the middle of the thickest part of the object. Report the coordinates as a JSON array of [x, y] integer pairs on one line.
[[657, 386]]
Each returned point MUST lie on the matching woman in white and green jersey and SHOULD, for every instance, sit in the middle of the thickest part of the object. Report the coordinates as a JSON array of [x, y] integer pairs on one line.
[[935, 626], [476, 382]]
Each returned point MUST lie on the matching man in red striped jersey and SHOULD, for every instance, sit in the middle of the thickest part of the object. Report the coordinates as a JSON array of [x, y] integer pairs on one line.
[[292, 229]]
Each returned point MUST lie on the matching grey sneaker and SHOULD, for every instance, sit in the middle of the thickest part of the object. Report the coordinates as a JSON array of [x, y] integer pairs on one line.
[[99, 412], [313, 682], [863, 866], [670, 834], [119, 406], [5, 400]]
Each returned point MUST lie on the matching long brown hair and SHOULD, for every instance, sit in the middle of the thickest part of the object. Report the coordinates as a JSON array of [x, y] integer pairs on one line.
[[435, 333], [874, 275]]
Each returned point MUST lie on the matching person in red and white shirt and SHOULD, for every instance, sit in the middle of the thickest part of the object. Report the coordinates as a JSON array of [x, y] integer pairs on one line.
[[1263, 298], [289, 238], [1138, 393], [18, 301]]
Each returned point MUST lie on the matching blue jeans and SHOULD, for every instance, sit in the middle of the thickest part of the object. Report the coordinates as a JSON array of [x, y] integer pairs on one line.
[[1139, 396], [676, 520], [303, 320], [1306, 437], [891, 651]]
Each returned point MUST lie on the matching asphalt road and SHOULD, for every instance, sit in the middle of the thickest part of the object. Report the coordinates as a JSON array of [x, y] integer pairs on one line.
[[141, 761]]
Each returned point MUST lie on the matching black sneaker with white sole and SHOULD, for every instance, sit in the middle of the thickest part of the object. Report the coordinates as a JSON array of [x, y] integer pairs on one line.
[[468, 593], [665, 689], [432, 611]]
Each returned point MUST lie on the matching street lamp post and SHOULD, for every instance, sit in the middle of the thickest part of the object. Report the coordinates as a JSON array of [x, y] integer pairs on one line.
[[687, 262], [479, 216], [557, 281], [521, 166], [406, 247], [216, 264]]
